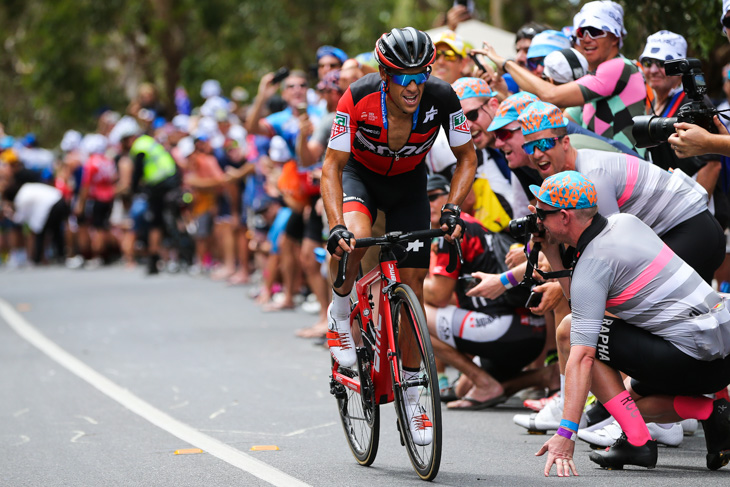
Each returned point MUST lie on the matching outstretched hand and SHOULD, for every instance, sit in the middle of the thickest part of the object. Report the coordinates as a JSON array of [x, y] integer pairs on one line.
[[560, 452]]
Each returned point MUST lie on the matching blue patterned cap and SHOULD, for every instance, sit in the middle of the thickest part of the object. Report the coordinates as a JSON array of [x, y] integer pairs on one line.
[[510, 109], [472, 88], [541, 116], [566, 190]]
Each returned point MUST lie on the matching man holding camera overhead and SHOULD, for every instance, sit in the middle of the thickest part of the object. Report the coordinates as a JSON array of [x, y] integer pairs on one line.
[[667, 98]]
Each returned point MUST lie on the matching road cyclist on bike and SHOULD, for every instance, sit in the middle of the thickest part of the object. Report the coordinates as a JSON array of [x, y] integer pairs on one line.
[[385, 125]]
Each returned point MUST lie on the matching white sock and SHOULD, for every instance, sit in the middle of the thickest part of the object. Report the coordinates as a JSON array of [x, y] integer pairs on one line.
[[340, 306], [411, 392]]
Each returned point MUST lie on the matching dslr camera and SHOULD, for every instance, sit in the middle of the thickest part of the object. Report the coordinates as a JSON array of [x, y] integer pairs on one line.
[[523, 228], [651, 130]]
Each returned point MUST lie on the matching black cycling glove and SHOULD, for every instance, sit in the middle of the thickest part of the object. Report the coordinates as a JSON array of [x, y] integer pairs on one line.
[[451, 219], [338, 232]]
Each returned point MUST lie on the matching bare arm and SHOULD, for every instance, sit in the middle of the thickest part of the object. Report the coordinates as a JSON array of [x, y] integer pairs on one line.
[[567, 95], [437, 290], [692, 140], [331, 185], [266, 91]]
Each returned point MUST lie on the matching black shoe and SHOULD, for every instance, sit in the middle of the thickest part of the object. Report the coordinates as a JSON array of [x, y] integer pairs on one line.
[[152, 265], [624, 453], [717, 434]]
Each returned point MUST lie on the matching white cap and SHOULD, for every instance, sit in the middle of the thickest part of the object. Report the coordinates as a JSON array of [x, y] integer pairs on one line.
[[94, 144], [71, 140], [665, 45], [213, 106], [185, 146], [561, 70], [279, 150], [181, 122], [239, 134], [602, 14], [125, 127], [725, 9], [210, 87]]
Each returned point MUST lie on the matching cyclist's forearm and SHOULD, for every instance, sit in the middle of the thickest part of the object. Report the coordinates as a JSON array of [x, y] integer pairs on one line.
[[463, 178], [331, 186]]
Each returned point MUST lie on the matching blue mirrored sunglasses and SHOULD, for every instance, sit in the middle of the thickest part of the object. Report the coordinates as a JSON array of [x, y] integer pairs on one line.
[[542, 144], [405, 79]]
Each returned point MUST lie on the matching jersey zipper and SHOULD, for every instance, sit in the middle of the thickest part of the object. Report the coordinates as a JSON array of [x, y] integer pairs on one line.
[[393, 161]]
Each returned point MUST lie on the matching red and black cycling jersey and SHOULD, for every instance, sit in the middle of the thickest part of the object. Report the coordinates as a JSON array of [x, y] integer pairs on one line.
[[358, 127]]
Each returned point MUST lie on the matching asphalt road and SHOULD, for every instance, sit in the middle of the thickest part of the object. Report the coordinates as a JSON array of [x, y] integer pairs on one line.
[[106, 374]]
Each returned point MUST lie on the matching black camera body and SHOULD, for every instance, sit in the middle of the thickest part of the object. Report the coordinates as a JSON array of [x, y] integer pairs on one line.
[[523, 228], [651, 130]]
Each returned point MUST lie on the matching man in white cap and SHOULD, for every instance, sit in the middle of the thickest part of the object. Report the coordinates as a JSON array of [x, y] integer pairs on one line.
[[612, 94], [668, 98]]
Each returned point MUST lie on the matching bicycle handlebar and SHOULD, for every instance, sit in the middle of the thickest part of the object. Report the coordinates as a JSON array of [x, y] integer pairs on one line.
[[393, 238]]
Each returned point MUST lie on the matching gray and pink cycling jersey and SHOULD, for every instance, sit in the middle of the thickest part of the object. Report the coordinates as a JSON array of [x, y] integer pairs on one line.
[[629, 272], [628, 184]]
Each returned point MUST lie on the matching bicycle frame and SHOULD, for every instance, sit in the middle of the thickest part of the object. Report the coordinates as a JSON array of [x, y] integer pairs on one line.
[[380, 338]]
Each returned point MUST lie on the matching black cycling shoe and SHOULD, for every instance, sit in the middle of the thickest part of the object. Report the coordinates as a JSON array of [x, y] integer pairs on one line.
[[717, 434], [624, 453], [152, 265]]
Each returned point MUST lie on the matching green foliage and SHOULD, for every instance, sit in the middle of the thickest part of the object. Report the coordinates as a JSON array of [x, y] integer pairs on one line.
[[63, 60]]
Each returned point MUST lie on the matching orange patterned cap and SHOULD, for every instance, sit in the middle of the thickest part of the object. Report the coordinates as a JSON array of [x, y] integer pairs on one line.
[[566, 190], [541, 116]]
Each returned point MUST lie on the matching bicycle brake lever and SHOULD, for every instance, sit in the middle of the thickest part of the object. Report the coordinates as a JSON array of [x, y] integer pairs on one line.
[[341, 270], [454, 253]]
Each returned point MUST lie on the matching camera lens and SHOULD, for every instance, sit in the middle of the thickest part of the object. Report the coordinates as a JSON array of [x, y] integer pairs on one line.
[[650, 130]]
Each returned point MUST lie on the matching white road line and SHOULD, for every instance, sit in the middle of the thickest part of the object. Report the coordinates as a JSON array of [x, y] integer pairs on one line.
[[124, 397]]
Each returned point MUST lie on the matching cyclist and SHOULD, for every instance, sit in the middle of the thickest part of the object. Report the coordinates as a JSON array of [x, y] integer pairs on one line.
[[667, 329], [385, 125]]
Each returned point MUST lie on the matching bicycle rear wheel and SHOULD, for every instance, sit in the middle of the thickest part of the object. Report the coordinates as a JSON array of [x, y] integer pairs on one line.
[[418, 389], [359, 413]]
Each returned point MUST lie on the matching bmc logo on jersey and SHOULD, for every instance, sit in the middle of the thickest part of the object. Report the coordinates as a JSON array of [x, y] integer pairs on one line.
[[459, 123], [340, 125]]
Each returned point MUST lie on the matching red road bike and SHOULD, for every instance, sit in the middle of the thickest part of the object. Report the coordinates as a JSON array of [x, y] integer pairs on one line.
[[378, 376]]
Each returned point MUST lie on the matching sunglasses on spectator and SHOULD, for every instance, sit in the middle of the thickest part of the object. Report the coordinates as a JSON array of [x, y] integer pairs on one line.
[[448, 55], [505, 134], [534, 62], [301, 85], [726, 22], [473, 115], [433, 197], [543, 144], [591, 32], [405, 79], [647, 62], [542, 214]]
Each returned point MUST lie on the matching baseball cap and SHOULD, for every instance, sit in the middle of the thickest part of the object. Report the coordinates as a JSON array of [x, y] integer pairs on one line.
[[565, 65], [331, 51], [725, 10], [330, 81], [454, 41], [510, 109], [546, 42], [437, 181], [566, 190], [71, 140], [541, 116], [472, 88], [665, 45], [210, 87]]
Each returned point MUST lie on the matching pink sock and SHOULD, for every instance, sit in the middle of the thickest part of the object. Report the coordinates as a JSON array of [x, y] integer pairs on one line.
[[624, 410], [695, 407]]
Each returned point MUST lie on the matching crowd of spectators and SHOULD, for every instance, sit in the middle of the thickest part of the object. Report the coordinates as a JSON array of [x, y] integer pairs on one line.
[[231, 191]]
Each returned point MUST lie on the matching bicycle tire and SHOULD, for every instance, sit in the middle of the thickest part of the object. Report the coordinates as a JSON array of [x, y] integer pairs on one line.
[[426, 459], [359, 412]]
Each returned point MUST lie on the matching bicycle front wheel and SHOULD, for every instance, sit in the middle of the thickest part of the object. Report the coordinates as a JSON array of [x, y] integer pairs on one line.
[[417, 401], [359, 413]]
